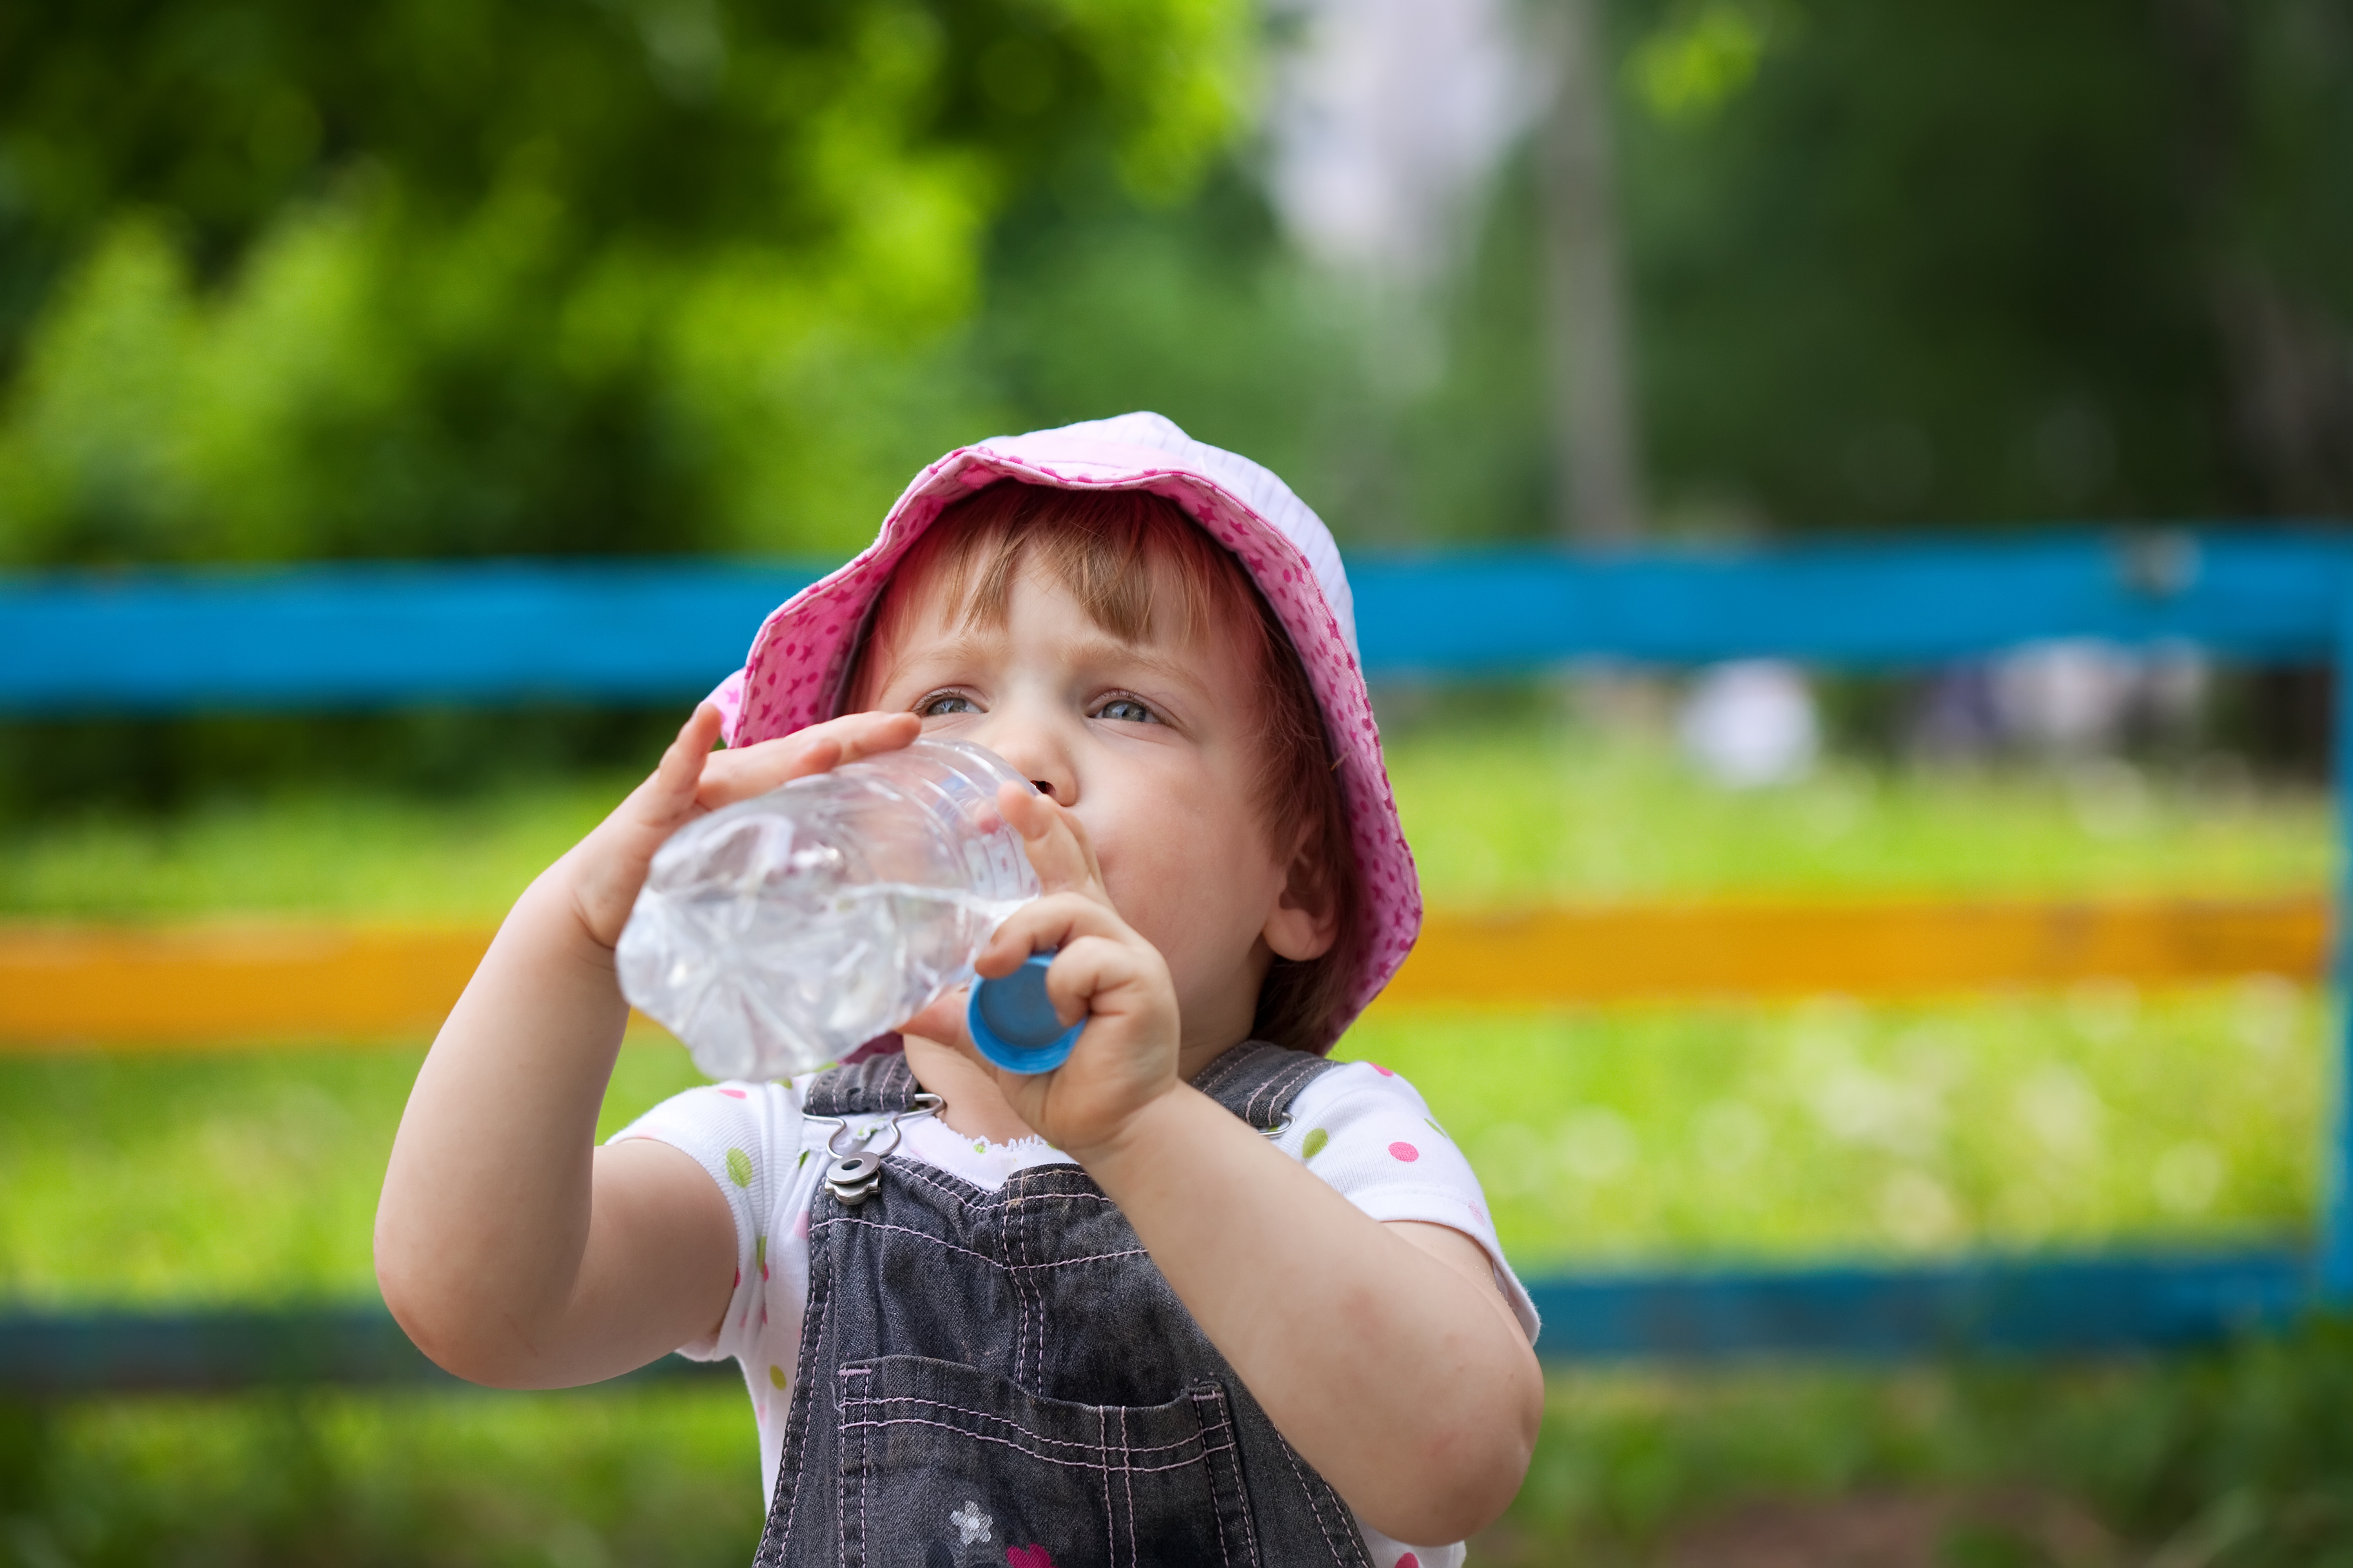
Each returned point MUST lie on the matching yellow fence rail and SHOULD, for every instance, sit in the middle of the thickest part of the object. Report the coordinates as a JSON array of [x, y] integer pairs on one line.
[[259, 983], [1665, 952]]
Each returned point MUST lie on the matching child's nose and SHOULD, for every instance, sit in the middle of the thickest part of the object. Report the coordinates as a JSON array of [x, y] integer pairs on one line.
[[1030, 744]]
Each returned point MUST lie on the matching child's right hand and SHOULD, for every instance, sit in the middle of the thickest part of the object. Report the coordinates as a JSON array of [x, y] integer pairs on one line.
[[604, 871], [513, 1249]]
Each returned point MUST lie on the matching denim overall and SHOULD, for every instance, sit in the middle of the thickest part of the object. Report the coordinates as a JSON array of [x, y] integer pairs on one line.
[[1005, 1378]]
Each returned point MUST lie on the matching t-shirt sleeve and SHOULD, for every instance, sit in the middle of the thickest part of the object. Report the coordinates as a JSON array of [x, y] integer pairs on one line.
[[749, 1137], [1367, 1132]]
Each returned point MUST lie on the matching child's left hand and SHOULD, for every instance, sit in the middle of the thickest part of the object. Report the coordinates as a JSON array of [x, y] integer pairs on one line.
[[1103, 972], [1383, 1352]]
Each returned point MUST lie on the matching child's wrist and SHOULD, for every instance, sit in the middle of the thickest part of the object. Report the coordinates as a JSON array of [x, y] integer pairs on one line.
[[560, 901], [1140, 1135]]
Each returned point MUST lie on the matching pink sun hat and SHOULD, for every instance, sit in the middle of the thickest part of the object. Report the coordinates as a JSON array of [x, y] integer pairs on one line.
[[799, 664]]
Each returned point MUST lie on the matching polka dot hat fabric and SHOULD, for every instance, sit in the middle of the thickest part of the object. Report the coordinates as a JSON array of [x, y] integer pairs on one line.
[[799, 662]]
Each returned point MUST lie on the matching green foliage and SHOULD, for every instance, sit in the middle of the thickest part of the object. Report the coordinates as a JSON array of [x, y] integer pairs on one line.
[[1796, 1131], [57, 770], [415, 279], [2247, 1461], [654, 1476], [227, 1177], [1698, 59], [662, 275], [1965, 260], [2235, 1458], [1514, 815], [1956, 264], [1716, 1132], [1950, 264]]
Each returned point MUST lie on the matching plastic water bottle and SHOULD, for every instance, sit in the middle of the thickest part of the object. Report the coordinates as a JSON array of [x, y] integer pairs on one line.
[[781, 933]]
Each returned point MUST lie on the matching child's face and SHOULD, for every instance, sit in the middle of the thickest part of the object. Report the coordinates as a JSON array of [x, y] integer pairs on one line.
[[1151, 745]]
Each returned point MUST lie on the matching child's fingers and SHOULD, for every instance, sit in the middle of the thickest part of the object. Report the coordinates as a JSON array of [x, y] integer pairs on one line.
[[1086, 977], [944, 1021], [1046, 925], [755, 770], [853, 737], [1055, 840], [670, 792], [609, 866], [1085, 972]]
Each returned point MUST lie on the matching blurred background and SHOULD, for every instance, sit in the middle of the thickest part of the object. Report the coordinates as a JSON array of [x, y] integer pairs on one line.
[[410, 280]]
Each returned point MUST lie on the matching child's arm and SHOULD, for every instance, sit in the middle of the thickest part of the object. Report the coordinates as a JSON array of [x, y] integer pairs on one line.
[[513, 1249], [1383, 1353]]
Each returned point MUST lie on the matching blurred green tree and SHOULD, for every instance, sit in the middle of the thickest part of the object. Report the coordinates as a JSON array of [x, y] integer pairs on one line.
[[1956, 262], [412, 277], [1971, 260], [409, 278]]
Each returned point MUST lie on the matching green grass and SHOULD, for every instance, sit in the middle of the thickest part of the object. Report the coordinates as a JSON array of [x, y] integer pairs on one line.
[[2240, 1456], [1495, 815], [2016, 1122], [469, 1480], [1519, 816], [239, 1177], [1716, 1132], [353, 856], [1725, 1132]]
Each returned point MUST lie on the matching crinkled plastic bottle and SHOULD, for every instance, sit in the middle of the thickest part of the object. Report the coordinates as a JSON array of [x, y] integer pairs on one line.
[[781, 933]]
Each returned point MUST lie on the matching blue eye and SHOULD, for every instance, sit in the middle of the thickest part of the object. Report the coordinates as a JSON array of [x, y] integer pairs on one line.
[[939, 704], [1127, 710]]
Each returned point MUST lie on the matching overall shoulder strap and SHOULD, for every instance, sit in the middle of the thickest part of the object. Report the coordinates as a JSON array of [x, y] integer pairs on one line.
[[1256, 1081], [874, 1087]]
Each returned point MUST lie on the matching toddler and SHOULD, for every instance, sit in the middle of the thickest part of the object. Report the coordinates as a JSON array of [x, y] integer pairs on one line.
[[1197, 1296]]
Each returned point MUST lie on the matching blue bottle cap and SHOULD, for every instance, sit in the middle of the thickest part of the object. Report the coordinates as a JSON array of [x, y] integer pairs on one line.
[[1012, 1020]]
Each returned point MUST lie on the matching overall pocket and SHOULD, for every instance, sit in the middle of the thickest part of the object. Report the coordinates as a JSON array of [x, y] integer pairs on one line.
[[943, 1466]]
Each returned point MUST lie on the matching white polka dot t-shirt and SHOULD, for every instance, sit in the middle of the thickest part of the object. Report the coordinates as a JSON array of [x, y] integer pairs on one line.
[[1360, 1127]]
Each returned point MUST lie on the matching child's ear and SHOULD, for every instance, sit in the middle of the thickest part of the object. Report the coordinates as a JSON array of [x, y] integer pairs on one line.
[[1304, 924]]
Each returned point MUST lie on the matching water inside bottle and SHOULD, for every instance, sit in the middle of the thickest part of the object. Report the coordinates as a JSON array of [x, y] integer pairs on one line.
[[783, 934]]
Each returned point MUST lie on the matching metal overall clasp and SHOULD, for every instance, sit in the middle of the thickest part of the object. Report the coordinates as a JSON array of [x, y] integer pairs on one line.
[[854, 1174]]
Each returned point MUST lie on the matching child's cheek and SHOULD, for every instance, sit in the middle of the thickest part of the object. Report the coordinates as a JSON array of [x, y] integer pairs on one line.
[[1157, 893]]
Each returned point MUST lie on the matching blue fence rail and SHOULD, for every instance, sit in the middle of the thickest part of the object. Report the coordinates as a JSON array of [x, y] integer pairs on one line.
[[347, 637], [2046, 1305], [359, 637]]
